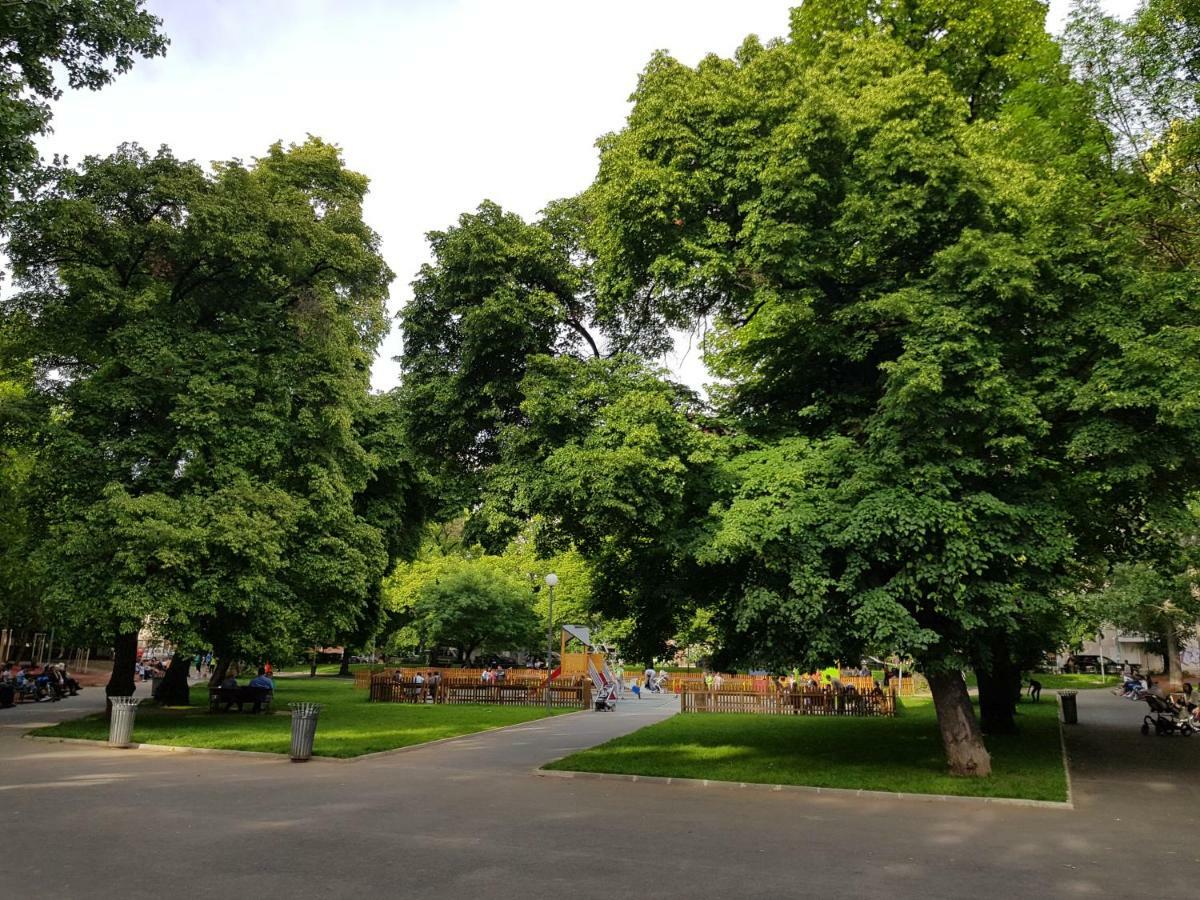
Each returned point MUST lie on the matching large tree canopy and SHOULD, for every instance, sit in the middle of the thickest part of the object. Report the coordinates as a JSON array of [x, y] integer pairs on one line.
[[950, 378], [88, 41], [204, 341]]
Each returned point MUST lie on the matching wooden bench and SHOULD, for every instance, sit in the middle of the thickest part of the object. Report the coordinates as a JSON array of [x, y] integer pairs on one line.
[[239, 696]]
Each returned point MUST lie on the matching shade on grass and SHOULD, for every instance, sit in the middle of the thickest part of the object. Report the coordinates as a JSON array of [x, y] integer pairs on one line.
[[899, 754], [348, 726]]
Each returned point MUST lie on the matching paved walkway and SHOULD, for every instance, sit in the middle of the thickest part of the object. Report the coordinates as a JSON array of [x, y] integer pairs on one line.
[[468, 818]]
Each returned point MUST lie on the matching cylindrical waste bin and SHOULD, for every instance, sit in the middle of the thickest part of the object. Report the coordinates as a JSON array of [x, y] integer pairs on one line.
[[1070, 712], [120, 725], [304, 729]]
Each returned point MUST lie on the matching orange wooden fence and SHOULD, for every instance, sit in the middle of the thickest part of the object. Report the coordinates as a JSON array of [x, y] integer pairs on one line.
[[763, 684], [569, 693], [363, 677]]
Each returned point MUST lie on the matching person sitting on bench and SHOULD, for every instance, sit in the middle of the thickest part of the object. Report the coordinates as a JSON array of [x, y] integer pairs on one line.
[[260, 684]]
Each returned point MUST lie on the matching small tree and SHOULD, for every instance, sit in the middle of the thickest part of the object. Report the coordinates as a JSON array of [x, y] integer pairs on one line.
[[469, 604]]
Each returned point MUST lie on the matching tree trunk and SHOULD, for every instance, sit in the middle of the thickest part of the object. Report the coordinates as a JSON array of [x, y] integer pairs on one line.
[[999, 690], [956, 720], [312, 669], [173, 690], [1174, 667], [219, 670], [121, 683], [344, 671]]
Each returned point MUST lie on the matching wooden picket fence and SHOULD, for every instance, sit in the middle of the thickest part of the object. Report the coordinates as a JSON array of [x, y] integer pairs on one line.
[[364, 677], [565, 693], [767, 684], [790, 703]]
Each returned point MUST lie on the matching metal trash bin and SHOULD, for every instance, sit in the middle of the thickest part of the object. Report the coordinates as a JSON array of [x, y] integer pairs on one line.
[[304, 729], [1070, 711], [120, 724]]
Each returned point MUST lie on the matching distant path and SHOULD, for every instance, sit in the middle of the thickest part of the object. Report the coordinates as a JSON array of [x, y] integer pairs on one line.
[[1115, 768]]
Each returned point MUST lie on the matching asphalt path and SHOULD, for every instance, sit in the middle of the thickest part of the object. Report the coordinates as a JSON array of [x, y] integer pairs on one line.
[[469, 818]]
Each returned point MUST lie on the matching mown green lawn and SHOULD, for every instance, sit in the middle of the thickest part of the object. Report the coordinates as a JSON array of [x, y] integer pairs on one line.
[[900, 754], [1052, 682], [348, 725]]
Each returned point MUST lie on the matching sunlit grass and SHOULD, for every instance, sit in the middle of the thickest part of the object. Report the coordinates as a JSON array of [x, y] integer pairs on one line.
[[903, 754], [348, 724]]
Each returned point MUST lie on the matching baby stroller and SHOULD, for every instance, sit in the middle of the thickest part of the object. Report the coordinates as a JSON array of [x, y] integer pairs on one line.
[[606, 698], [657, 683], [1166, 718]]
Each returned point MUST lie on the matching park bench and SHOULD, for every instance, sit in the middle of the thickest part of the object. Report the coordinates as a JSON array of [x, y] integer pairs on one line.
[[239, 696]]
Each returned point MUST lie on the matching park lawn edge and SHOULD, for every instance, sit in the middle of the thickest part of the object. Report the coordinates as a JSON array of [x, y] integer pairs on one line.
[[591, 763], [354, 729], [546, 772], [149, 747]]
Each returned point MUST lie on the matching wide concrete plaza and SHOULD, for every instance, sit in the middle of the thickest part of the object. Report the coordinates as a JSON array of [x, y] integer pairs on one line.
[[469, 818]]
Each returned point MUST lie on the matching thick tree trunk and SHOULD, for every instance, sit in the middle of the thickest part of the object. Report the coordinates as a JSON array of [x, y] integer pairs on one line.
[[999, 690], [996, 712], [121, 683], [1174, 666], [961, 736], [312, 668], [344, 670], [173, 690], [219, 670]]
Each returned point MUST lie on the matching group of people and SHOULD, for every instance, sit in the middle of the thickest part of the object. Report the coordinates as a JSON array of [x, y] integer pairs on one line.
[[148, 669], [258, 691], [24, 681], [1185, 703], [426, 682]]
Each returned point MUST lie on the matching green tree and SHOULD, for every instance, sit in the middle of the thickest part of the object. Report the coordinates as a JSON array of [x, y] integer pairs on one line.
[[396, 500], [1157, 596], [889, 222], [205, 341], [19, 422], [87, 41], [608, 461], [467, 603], [1143, 75], [498, 291]]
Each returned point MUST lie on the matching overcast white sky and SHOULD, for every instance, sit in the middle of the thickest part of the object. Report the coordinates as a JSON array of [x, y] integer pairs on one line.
[[441, 102]]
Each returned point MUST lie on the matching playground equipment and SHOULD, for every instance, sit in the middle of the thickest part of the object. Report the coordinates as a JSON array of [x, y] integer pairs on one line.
[[591, 661]]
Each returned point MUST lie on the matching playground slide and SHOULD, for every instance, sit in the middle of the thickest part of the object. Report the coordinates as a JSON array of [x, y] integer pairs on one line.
[[601, 677]]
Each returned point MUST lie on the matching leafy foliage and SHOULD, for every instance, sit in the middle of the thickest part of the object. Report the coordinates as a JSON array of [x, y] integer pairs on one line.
[[205, 341], [88, 41], [466, 603]]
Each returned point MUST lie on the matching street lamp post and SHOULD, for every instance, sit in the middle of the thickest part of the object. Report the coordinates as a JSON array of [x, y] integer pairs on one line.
[[551, 581]]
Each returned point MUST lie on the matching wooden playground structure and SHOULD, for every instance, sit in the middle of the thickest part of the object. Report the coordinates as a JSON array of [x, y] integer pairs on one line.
[[582, 674]]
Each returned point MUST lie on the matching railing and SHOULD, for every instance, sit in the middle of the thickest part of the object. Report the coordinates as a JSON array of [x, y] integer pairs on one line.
[[767, 684], [567, 693], [797, 703], [362, 677]]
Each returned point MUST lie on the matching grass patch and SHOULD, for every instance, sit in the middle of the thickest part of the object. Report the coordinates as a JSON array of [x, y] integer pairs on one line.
[[901, 754], [1060, 682], [349, 725], [1064, 682]]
